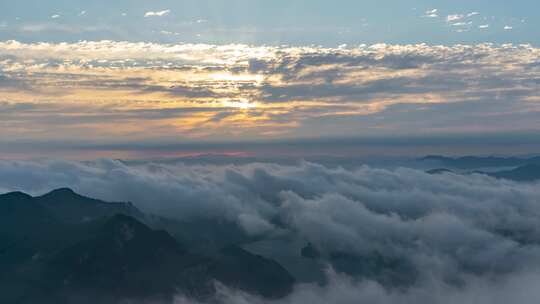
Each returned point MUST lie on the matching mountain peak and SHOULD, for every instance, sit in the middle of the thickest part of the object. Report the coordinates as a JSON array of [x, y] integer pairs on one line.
[[62, 191], [15, 195]]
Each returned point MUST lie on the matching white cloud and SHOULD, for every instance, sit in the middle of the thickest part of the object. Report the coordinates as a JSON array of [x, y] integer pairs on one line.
[[169, 33], [455, 17], [157, 13], [82, 13], [508, 27], [56, 16], [483, 26], [462, 23], [432, 13]]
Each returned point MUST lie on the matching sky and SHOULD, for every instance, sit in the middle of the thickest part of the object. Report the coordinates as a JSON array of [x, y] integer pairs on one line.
[[292, 22], [172, 78]]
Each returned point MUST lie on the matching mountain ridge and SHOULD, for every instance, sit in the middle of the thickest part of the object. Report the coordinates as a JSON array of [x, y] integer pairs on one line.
[[54, 253]]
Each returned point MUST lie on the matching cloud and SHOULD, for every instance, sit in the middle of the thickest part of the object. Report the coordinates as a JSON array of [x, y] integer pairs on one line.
[[463, 238], [433, 13], [483, 26], [508, 28], [276, 91], [62, 28], [341, 289], [455, 17], [56, 16], [169, 33], [461, 23], [157, 13]]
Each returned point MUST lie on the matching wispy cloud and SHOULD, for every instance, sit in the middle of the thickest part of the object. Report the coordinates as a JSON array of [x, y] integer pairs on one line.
[[458, 17], [433, 13], [455, 17], [157, 13], [169, 33], [462, 23]]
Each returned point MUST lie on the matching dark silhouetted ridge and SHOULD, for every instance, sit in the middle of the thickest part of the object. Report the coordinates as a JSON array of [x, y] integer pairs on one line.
[[527, 173], [62, 247], [474, 162], [439, 171]]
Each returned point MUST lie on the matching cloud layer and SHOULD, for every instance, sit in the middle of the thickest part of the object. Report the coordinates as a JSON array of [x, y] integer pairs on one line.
[[109, 90], [472, 239]]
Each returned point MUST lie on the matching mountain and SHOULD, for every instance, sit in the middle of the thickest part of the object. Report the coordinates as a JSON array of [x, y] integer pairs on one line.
[[439, 171], [236, 264], [65, 248], [389, 271], [310, 252], [124, 260], [527, 173], [68, 206], [474, 162]]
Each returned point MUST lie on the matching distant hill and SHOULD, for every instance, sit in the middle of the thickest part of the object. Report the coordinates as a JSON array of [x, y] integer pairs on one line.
[[439, 171], [527, 173], [474, 162], [66, 248]]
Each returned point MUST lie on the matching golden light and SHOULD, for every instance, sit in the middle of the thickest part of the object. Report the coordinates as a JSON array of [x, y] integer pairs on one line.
[[243, 104], [256, 78]]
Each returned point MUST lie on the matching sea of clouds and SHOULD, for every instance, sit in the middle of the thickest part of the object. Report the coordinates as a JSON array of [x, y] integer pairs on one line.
[[469, 238]]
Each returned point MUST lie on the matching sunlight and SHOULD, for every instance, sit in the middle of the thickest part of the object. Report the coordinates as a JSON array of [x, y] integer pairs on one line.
[[243, 104], [237, 77]]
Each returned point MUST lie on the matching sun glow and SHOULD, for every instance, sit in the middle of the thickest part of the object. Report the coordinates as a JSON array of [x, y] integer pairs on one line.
[[256, 78], [243, 104]]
